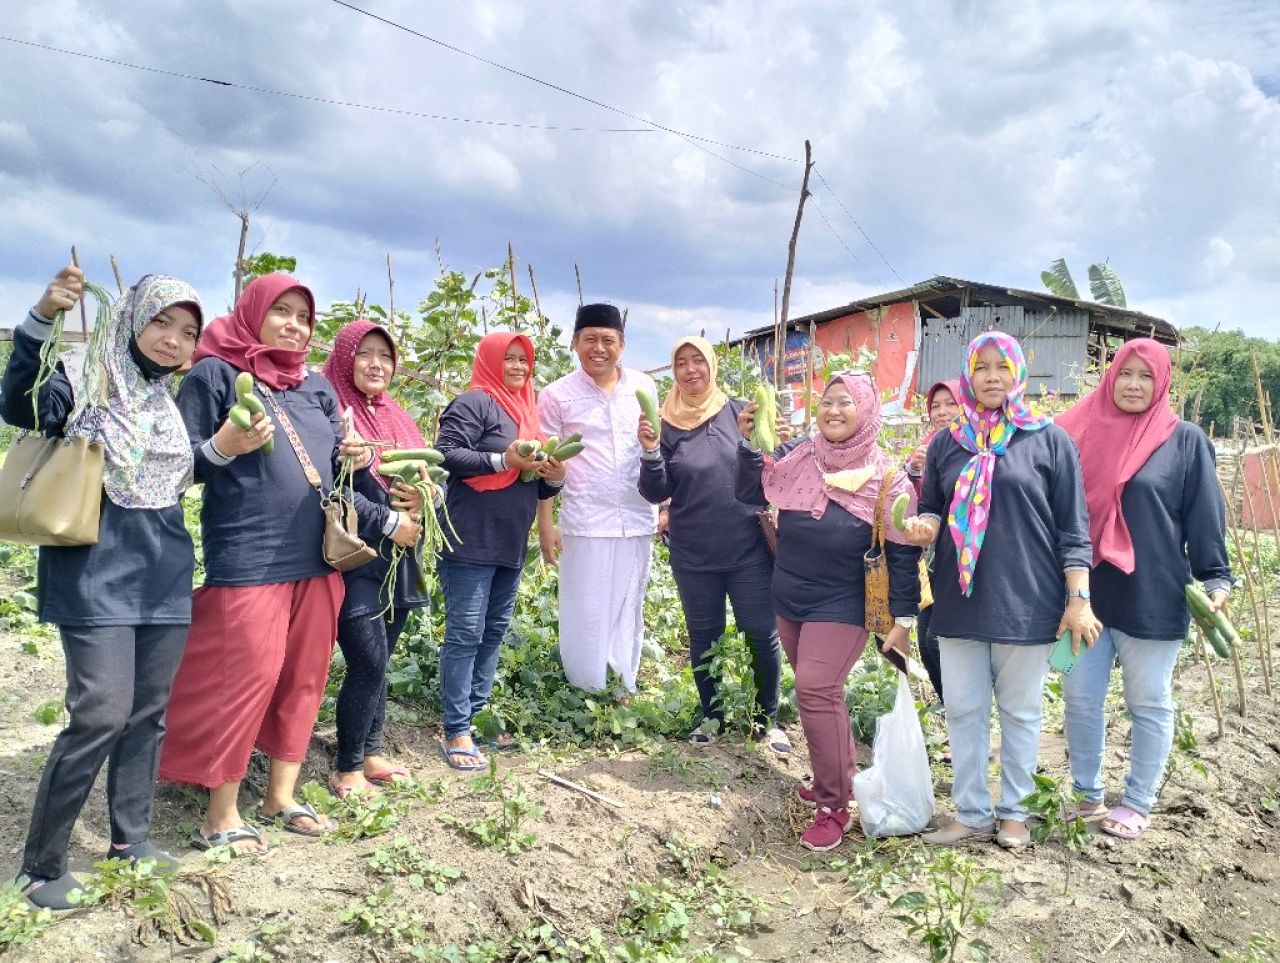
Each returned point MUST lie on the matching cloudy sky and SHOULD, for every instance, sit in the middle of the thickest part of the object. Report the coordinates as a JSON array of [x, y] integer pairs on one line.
[[977, 139]]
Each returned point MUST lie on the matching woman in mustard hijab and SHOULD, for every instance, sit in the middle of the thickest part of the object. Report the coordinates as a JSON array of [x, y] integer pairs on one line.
[[717, 549]]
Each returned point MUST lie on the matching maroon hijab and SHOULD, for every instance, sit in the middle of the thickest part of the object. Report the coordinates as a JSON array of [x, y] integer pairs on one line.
[[378, 418], [1114, 445], [236, 338]]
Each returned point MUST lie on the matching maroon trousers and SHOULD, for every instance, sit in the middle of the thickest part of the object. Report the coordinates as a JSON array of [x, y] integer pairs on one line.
[[253, 674], [822, 655]]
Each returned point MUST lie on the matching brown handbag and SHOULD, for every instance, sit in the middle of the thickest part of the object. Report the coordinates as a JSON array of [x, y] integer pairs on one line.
[[342, 548], [768, 520], [51, 491], [875, 569]]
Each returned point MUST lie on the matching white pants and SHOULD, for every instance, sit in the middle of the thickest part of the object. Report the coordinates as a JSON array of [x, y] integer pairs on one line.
[[602, 583]]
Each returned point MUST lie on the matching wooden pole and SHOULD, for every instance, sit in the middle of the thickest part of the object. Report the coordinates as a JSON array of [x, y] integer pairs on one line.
[[1213, 682], [537, 304], [115, 269], [1261, 626], [578, 274], [809, 373], [391, 294], [779, 342], [791, 247], [84, 317], [515, 294], [244, 236], [1232, 527]]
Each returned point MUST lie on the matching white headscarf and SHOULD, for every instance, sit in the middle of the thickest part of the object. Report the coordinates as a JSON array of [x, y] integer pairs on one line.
[[148, 452]]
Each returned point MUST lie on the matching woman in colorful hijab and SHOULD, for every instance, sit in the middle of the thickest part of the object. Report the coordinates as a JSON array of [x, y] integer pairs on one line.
[[491, 511], [257, 659], [717, 547], [1156, 519], [941, 405], [1011, 574], [122, 605], [360, 368], [819, 592]]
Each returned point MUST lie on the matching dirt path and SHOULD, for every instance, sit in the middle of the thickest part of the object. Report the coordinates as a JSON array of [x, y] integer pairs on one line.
[[1201, 881]]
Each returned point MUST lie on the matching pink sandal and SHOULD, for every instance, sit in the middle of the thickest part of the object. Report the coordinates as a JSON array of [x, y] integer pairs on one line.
[[1124, 823]]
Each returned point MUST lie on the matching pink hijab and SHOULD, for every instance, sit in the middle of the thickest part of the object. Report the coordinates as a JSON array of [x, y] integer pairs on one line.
[[795, 482], [378, 418], [236, 338], [1114, 445]]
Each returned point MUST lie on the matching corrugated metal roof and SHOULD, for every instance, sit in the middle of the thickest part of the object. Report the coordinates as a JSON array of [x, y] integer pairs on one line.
[[1134, 321]]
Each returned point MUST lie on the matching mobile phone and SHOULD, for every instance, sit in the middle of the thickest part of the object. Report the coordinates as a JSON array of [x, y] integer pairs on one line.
[[348, 421], [1062, 658], [892, 656]]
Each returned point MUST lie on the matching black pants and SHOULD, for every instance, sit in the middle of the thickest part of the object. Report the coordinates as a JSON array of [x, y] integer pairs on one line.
[[118, 684], [367, 643], [929, 653], [750, 590]]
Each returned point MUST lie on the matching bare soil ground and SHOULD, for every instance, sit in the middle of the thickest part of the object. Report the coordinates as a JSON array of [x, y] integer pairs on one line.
[[1198, 884]]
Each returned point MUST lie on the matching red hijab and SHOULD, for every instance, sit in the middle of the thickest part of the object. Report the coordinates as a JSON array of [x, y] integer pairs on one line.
[[1114, 445], [522, 406], [236, 338], [378, 418]]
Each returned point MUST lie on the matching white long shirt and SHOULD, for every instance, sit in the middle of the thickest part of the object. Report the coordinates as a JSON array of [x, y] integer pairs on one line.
[[600, 497]]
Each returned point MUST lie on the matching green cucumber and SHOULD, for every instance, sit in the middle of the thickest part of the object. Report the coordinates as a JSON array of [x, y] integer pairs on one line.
[[575, 437], [240, 417], [244, 385], [764, 434], [437, 474], [254, 404], [900, 511], [568, 450], [429, 455], [1219, 644], [549, 446], [527, 448], [649, 409], [528, 475]]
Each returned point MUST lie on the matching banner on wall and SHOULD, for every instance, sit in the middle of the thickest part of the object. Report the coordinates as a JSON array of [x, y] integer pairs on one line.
[[794, 357]]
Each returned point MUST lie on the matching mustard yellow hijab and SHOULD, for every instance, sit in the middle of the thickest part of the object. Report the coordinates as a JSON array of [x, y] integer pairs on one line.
[[687, 412]]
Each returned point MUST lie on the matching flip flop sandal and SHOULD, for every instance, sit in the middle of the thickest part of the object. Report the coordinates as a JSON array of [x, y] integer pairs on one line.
[[1124, 823], [342, 792], [473, 753], [501, 746], [226, 837], [700, 738], [390, 774], [285, 819]]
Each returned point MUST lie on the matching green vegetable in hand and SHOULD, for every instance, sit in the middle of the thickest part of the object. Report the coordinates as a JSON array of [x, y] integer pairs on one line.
[[764, 433], [900, 511], [429, 455], [251, 404], [649, 409]]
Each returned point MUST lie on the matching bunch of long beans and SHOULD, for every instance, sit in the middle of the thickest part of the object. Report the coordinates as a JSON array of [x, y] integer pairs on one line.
[[94, 386], [427, 478]]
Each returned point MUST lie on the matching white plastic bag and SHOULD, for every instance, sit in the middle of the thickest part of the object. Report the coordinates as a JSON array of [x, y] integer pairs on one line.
[[895, 795]]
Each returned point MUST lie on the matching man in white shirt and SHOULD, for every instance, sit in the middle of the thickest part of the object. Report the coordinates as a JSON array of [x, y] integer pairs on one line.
[[605, 541]]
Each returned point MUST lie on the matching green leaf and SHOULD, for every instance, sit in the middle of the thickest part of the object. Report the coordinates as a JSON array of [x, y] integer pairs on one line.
[[49, 712], [1105, 285], [1057, 280]]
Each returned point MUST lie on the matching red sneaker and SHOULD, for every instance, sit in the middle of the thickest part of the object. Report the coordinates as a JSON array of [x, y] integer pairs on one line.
[[827, 830]]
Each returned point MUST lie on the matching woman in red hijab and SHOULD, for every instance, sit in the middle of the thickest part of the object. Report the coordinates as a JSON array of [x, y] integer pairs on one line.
[[491, 510], [1156, 519], [360, 368], [263, 623]]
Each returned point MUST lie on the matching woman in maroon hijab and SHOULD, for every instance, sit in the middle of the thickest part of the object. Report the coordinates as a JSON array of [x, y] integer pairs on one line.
[[264, 621], [1156, 519]]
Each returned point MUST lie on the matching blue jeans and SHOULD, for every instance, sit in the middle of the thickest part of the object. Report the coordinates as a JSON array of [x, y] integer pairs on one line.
[[971, 671], [478, 603], [750, 590], [1147, 670]]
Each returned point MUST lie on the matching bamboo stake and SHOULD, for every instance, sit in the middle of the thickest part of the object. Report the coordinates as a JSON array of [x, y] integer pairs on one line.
[[809, 373], [779, 342], [115, 268], [1253, 602], [569, 784], [244, 236], [391, 294], [84, 318], [537, 304], [578, 274], [1257, 537], [515, 294], [1213, 682]]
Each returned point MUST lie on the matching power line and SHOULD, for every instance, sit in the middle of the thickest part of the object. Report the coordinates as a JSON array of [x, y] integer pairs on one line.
[[830, 227], [565, 90], [858, 226], [324, 100]]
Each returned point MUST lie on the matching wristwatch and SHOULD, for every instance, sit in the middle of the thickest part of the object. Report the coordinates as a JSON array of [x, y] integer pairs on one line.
[[1078, 594], [908, 622]]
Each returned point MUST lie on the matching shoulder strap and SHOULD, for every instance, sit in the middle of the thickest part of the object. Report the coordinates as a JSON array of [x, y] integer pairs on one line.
[[877, 524], [308, 469]]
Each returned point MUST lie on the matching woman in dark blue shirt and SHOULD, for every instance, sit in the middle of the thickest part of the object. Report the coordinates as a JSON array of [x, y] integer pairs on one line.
[[122, 605], [1157, 519], [717, 548]]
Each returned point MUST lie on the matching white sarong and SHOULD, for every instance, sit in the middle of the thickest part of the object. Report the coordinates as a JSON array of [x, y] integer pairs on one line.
[[602, 584]]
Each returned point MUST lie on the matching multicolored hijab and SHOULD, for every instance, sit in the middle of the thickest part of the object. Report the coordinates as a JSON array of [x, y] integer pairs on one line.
[[1114, 445], [376, 419], [986, 433], [148, 460], [795, 482], [236, 338]]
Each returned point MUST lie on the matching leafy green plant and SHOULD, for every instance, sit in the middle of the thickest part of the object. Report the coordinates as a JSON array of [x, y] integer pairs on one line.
[[503, 830], [260, 949], [20, 922], [1059, 818], [957, 896], [870, 693], [877, 866], [359, 815], [374, 915], [404, 859], [49, 713], [157, 904], [1261, 948], [670, 760]]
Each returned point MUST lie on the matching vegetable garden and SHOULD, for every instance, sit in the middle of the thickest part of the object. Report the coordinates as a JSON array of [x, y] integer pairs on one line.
[[607, 837]]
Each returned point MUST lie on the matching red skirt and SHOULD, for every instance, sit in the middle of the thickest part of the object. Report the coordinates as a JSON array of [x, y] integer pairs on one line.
[[253, 674]]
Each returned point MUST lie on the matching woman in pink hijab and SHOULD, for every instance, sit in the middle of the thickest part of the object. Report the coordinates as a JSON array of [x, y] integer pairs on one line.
[[1156, 520]]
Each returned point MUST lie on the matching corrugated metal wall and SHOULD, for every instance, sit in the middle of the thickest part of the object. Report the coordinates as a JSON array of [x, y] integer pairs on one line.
[[1055, 343]]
